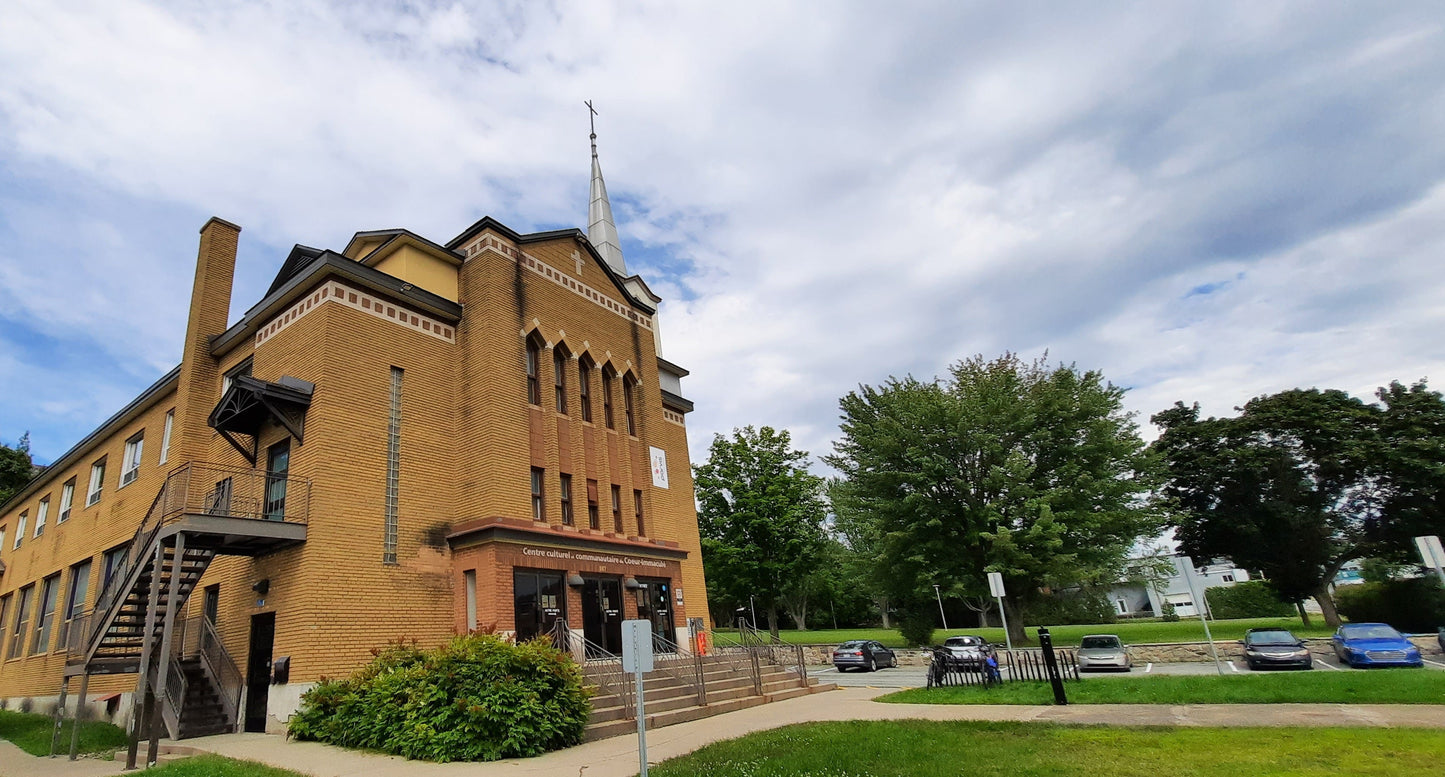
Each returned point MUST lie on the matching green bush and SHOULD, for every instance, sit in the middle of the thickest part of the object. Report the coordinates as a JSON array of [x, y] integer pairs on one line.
[[1167, 613], [477, 698], [1253, 599], [1413, 606], [1070, 608], [916, 625]]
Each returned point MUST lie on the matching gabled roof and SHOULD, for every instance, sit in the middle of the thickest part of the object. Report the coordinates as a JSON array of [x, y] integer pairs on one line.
[[299, 257], [391, 238], [487, 222]]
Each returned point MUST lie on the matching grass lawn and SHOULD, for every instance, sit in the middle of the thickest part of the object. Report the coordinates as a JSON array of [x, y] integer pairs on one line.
[[32, 733], [1132, 632], [1379, 686], [962, 749], [216, 766]]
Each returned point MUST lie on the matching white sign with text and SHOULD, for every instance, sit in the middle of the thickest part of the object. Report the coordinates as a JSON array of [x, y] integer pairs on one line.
[[659, 467]]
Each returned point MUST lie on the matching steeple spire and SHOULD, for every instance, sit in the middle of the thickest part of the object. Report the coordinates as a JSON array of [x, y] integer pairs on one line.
[[601, 230]]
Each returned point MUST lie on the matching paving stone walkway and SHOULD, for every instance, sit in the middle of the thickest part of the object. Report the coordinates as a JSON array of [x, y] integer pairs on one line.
[[617, 757]]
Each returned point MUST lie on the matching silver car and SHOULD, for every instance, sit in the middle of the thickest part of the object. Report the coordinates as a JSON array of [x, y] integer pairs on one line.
[[966, 652], [1103, 651]]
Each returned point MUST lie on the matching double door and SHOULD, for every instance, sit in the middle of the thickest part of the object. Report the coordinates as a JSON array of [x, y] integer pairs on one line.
[[602, 613], [654, 603], [539, 600]]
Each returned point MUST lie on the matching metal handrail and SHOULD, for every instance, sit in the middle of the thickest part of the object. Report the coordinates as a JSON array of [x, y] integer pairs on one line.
[[779, 653], [599, 665], [223, 670]]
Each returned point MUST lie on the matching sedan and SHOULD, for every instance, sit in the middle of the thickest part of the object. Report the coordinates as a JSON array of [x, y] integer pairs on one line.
[[1103, 651], [965, 652], [1374, 644], [863, 654], [1275, 647]]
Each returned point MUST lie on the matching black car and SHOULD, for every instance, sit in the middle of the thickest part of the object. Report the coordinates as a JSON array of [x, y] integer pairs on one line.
[[863, 654], [1275, 647]]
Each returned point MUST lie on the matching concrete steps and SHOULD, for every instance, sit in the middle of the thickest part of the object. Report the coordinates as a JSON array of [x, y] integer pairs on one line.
[[668, 701]]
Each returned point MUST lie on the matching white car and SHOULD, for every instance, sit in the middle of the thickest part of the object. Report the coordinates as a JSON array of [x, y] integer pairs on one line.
[[1103, 651]]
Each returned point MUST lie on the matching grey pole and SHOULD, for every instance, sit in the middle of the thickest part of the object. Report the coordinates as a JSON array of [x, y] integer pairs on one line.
[[641, 711], [940, 606], [1009, 641], [1186, 567], [79, 710]]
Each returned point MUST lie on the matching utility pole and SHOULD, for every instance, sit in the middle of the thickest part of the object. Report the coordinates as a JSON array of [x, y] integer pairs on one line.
[[1185, 565], [940, 606]]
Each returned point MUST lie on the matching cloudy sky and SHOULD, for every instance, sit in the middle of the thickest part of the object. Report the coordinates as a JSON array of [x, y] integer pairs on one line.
[[1206, 204]]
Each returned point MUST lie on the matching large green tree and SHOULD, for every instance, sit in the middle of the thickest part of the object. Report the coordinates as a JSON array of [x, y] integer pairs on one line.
[[1302, 481], [16, 468], [1017, 467], [760, 513]]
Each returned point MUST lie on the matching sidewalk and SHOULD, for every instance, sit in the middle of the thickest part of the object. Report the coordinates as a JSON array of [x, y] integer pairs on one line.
[[617, 757]]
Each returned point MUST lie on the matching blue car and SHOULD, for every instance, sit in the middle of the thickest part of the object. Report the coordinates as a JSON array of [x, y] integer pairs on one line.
[[1374, 644]]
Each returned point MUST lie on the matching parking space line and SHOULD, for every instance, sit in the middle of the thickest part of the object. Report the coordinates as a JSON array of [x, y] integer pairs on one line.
[[1232, 667], [1149, 667], [1327, 665], [1433, 663]]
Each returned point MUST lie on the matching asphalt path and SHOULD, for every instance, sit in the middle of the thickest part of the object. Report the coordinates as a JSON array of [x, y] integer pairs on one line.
[[917, 676]]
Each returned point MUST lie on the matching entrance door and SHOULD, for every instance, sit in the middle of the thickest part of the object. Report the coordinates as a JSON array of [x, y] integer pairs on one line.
[[258, 670], [654, 603], [539, 600], [602, 613]]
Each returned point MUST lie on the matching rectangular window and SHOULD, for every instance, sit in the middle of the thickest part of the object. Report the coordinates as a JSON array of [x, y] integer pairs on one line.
[[22, 622], [584, 385], [278, 466], [2, 537], [166, 435], [67, 500], [211, 607], [539, 506], [130, 463], [20, 528], [629, 387], [110, 566], [534, 385], [244, 368], [393, 469], [75, 598], [617, 508], [566, 499], [1228, 578], [593, 520], [607, 398], [637, 508], [470, 577], [41, 514], [97, 482], [45, 618], [4, 611], [559, 377]]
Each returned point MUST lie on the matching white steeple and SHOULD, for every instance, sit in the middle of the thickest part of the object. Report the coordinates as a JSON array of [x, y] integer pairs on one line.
[[601, 230]]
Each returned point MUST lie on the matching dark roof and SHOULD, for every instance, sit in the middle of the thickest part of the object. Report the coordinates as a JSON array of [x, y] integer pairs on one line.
[[676, 402], [487, 222], [299, 257]]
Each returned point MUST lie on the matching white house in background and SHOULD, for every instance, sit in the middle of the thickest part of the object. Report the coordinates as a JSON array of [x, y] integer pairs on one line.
[[1141, 600]]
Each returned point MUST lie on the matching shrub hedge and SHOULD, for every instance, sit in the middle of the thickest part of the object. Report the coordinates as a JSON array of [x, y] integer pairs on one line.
[[477, 698], [1252, 599], [1414, 606]]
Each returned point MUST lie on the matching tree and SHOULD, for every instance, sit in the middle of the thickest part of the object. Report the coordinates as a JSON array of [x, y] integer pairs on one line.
[[1302, 481], [16, 468], [760, 513], [1032, 471]]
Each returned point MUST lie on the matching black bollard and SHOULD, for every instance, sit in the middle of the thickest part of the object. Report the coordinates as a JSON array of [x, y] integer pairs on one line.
[[1046, 645]]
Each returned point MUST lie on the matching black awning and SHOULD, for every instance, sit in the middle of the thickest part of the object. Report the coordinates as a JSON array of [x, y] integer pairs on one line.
[[250, 402]]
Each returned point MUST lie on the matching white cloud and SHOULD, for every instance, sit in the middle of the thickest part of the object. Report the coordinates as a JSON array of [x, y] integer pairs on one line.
[[854, 194]]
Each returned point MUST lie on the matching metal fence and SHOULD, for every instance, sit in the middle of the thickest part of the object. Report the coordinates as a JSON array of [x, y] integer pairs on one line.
[[1012, 666]]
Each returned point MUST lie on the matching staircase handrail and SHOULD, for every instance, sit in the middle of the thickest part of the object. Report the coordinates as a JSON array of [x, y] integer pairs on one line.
[[783, 654], [222, 669], [125, 575], [175, 698], [598, 664]]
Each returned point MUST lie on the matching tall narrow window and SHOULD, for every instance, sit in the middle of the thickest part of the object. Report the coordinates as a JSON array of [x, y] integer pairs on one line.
[[629, 388], [166, 436], [617, 508], [607, 377], [130, 463], [584, 386], [534, 385], [45, 614], [566, 483], [22, 622], [393, 468], [41, 513], [211, 608], [559, 377], [75, 599], [20, 525], [637, 508], [2, 537], [110, 566], [593, 520], [278, 467], [469, 577], [97, 482], [67, 500], [539, 506], [4, 613]]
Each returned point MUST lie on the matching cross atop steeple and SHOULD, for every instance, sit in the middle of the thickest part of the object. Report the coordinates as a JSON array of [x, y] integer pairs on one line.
[[601, 231]]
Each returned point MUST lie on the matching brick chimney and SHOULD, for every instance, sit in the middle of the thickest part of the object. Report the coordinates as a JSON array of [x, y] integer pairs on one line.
[[199, 383]]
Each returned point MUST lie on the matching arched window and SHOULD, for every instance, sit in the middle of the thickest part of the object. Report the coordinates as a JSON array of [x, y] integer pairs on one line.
[[607, 377], [559, 373], [629, 388], [584, 385], [534, 366]]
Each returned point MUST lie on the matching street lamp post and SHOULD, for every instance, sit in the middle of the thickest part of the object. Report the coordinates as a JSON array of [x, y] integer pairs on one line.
[[940, 606]]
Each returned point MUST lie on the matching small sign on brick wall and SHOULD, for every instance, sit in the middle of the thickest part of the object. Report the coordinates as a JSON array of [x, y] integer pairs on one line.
[[659, 467]]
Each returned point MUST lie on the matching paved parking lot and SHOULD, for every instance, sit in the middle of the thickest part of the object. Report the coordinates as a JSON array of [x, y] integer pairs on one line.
[[917, 676]]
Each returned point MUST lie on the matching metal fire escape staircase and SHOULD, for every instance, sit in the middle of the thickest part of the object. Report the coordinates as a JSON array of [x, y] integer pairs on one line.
[[186, 676]]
